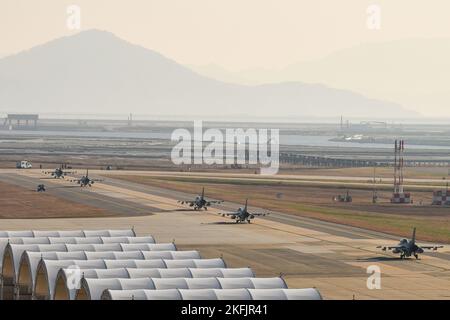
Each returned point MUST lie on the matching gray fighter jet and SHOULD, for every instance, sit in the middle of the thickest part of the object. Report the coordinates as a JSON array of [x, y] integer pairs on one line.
[[200, 202], [85, 181], [407, 248], [242, 214], [59, 173]]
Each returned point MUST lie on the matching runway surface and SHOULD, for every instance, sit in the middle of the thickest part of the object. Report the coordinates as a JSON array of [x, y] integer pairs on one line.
[[332, 228], [306, 252]]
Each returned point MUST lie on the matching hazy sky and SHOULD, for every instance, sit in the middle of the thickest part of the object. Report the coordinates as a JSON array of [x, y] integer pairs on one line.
[[235, 34], [256, 39]]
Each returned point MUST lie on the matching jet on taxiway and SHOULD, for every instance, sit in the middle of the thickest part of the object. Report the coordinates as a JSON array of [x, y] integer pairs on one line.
[[59, 173], [407, 248], [85, 181], [242, 214], [200, 202]]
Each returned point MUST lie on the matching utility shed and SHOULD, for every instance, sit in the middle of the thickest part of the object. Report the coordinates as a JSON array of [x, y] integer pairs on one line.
[[21, 119]]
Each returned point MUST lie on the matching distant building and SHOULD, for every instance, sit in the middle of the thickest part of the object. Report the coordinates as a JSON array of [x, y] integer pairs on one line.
[[21, 119]]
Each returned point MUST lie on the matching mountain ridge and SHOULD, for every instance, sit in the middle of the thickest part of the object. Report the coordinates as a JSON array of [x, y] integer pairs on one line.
[[96, 70], [413, 72]]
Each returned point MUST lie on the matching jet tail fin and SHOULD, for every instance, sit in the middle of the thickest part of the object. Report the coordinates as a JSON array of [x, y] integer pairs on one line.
[[245, 208], [414, 235], [203, 193]]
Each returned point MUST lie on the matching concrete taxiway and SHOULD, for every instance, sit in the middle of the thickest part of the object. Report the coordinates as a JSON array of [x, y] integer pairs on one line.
[[306, 252]]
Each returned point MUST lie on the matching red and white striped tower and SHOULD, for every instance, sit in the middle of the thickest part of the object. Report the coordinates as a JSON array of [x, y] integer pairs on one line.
[[399, 196], [398, 171], [395, 167]]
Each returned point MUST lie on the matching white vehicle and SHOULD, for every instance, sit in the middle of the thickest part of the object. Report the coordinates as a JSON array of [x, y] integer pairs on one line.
[[23, 165]]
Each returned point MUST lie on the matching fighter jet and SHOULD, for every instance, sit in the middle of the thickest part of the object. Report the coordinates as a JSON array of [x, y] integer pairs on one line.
[[200, 202], [59, 173], [242, 214], [406, 247], [85, 181]]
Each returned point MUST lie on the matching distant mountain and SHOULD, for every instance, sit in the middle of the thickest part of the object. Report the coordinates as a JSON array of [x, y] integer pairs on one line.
[[219, 73], [96, 72], [412, 72]]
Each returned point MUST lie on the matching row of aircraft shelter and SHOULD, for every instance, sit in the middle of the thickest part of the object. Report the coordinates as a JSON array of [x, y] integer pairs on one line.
[[118, 265]]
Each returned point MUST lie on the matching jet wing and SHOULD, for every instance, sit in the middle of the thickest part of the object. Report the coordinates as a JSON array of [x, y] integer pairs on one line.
[[186, 202], [223, 214], [259, 214], [384, 248], [431, 247], [214, 201]]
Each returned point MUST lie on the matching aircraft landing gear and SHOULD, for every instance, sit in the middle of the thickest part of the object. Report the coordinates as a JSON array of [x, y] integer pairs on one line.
[[206, 208], [416, 255], [402, 256], [248, 221]]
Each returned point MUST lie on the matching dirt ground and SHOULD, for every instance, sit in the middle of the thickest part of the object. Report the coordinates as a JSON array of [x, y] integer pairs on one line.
[[22, 203]]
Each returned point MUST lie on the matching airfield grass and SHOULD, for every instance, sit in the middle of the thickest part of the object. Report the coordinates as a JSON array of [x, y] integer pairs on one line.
[[380, 172], [436, 230], [322, 182], [433, 223]]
